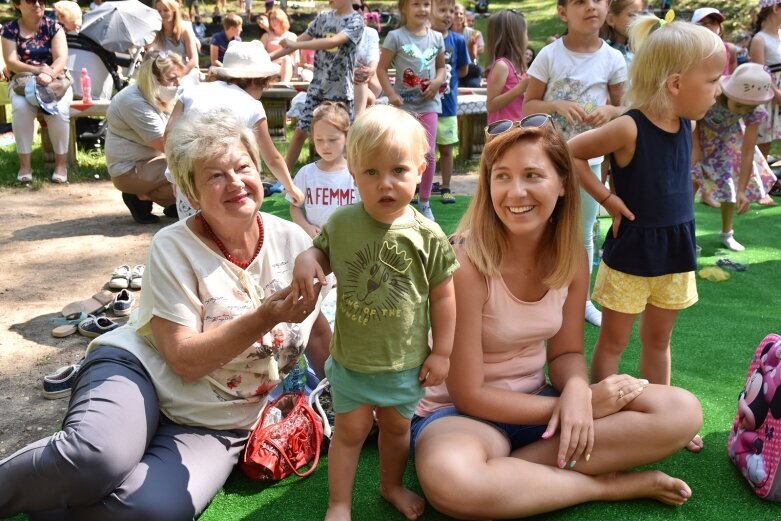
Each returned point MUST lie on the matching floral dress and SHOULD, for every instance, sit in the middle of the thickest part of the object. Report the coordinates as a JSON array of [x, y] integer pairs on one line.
[[721, 137], [37, 49]]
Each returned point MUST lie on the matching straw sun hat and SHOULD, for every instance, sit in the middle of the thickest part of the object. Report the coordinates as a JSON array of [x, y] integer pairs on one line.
[[750, 84], [246, 60]]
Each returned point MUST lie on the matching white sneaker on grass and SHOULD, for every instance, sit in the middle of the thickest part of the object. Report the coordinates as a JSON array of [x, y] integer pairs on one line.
[[593, 315]]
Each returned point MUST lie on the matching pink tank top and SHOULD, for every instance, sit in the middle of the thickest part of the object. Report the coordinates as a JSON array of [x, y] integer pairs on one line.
[[513, 110], [514, 335]]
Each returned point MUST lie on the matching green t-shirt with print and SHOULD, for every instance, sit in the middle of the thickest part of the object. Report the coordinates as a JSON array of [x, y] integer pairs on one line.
[[384, 274]]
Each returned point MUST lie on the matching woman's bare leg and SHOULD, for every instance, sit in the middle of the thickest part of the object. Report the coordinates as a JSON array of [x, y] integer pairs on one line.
[[613, 338], [483, 482]]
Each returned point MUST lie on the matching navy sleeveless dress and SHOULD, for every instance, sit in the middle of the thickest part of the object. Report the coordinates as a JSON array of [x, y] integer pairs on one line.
[[657, 188]]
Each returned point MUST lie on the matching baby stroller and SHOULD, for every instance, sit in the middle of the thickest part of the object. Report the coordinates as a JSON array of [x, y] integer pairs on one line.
[[109, 45]]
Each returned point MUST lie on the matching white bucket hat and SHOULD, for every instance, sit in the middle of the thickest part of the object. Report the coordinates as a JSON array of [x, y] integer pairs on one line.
[[750, 84], [704, 12], [39, 96], [246, 60]]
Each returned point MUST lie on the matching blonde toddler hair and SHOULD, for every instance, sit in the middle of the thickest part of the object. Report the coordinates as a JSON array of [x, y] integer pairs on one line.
[[69, 11], [662, 49], [383, 127]]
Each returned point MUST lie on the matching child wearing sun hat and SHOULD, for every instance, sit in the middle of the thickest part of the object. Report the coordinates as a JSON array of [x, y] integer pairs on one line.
[[726, 162], [712, 19]]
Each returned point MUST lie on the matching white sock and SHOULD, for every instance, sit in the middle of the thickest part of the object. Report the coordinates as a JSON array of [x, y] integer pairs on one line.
[[593, 315], [728, 240]]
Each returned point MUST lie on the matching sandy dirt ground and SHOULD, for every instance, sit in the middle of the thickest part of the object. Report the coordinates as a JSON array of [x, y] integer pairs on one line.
[[58, 245]]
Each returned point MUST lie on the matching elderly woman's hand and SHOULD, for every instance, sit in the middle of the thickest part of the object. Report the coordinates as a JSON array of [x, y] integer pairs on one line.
[[573, 417], [286, 306], [614, 393]]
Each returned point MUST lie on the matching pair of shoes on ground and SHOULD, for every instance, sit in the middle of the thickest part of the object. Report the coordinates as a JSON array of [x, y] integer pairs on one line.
[[93, 327], [122, 304], [140, 210], [593, 315], [59, 383], [123, 277], [728, 240]]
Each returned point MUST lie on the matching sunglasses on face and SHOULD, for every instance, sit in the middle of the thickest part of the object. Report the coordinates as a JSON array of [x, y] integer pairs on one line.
[[33, 2], [530, 121]]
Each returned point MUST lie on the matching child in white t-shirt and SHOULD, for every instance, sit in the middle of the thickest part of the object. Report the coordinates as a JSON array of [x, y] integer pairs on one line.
[[326, 183]]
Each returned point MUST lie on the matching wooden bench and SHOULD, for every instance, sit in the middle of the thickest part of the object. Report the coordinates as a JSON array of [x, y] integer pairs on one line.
[[471, 125]]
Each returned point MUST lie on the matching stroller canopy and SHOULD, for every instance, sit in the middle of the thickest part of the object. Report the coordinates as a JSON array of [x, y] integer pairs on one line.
[[119, 25]]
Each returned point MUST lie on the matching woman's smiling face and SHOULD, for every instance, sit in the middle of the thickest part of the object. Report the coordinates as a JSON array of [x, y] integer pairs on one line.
[[525, 188]]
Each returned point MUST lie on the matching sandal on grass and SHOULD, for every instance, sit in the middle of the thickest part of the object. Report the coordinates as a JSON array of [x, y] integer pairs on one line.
[[729, 265], [447, 196]]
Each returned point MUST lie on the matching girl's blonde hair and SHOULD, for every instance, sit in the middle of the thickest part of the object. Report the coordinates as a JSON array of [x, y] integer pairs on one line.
[[484, 236], [202, 136], [662, 49], [333, 112], [178, 26], [383, 128], [507, 38], [153, 70], [280, 15]]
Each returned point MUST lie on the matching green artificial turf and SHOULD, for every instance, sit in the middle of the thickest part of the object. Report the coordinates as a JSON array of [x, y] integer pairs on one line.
[[712, 344]]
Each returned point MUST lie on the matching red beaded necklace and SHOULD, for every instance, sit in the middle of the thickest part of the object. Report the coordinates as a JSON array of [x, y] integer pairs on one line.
[[224, 251]]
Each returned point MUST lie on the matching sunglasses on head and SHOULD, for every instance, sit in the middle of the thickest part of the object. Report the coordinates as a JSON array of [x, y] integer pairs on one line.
[[530, 121], [33, 2]]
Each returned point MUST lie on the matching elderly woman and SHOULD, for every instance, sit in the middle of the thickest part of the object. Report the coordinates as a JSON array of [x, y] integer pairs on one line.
[[136, 118], [511, 443], [34, 43], [162, 407]]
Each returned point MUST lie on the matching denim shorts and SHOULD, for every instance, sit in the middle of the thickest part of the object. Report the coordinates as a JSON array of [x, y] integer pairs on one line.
[[517, 435]]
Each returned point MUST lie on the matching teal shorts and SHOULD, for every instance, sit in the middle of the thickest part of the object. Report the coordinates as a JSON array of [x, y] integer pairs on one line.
[[350, 389], [447, 130]]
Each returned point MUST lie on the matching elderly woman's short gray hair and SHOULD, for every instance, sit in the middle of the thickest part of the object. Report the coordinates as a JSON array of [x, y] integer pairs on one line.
[[200, 136]]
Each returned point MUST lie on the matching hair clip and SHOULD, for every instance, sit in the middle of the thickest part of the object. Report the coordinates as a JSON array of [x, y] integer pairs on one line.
[[660, 22]]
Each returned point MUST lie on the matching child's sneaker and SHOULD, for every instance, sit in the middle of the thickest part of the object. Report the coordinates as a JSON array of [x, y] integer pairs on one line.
[[447, 196], [593, 315], [728, 240], [425, 209], [59, 383]]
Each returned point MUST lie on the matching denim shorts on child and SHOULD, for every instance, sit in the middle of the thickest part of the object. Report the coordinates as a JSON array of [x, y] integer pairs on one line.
[[447, 130], [517, 435], [311, 103], [350, 389], [626, 293]]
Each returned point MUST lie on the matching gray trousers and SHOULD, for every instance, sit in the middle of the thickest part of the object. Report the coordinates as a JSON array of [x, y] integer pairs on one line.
[[117, 457]]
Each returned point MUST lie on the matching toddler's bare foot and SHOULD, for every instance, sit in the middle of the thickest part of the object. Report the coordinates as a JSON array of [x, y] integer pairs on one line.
[[405, 501], [651, 484], [708, 200], [767, 201], [696, 444], [338, 512]]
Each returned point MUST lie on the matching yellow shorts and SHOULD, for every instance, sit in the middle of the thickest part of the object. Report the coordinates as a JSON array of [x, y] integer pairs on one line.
[[447, 130], [629, 294]]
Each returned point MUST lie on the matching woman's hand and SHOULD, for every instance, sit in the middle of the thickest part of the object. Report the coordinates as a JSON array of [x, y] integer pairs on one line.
[[618, 210], [45, 76], [434, 370], [285, 306], [573, 417], [614, 393]]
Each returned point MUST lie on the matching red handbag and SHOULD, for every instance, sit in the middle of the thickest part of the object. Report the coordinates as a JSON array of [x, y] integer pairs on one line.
[[279, 449]]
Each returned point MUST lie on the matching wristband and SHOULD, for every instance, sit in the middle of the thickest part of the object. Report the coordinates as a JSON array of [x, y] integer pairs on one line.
[[602, 202]]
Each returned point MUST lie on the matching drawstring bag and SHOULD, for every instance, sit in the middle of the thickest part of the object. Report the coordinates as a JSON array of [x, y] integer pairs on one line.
[[277, 449]]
